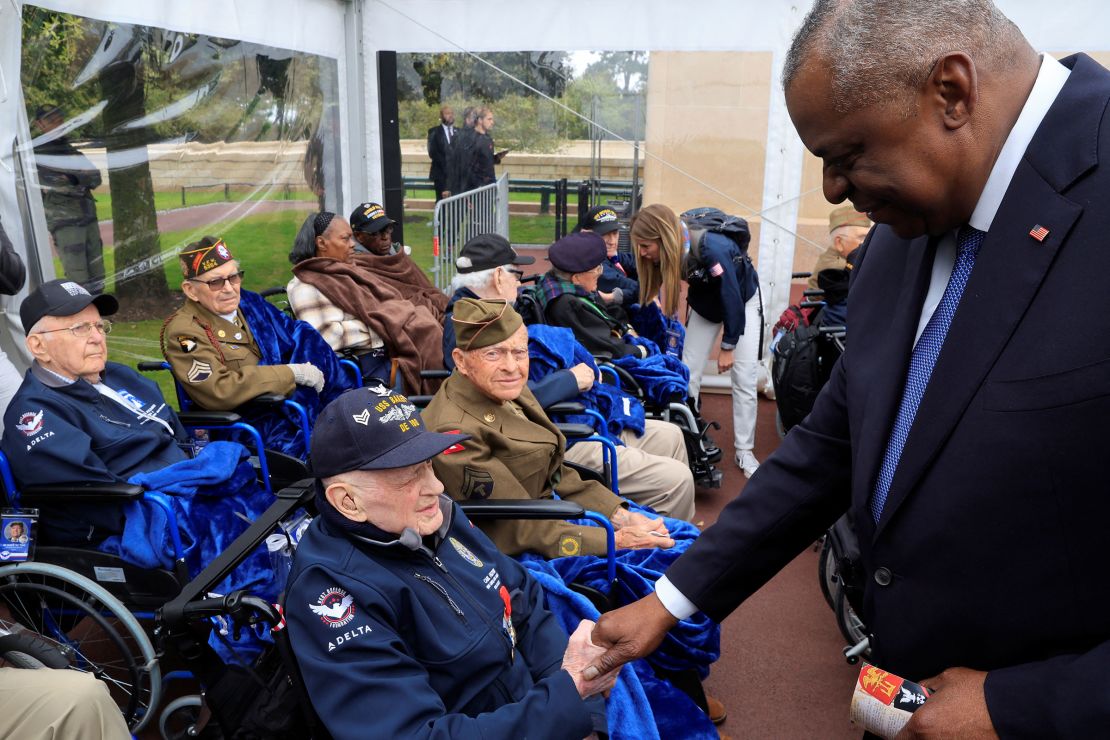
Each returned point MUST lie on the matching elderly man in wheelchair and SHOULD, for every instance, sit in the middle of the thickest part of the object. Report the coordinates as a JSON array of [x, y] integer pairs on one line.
[[514, 452], [227, 346], [92, 426], [399, 609]]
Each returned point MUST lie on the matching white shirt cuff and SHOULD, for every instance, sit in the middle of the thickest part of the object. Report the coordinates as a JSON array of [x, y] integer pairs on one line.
[[678, 605]]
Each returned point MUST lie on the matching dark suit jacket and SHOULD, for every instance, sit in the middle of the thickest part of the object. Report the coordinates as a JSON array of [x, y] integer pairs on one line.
[[992, 549], [439, 150]]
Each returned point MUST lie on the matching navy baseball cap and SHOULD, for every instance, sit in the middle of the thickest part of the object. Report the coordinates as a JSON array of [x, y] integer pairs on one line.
[[600, 220], [577, 252], [62, 298], [374, 428]]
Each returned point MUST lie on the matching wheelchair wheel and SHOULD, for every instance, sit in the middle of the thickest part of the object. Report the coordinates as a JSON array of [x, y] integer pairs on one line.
[[179, 719], [90, 627], [850, 624], [827, 574]]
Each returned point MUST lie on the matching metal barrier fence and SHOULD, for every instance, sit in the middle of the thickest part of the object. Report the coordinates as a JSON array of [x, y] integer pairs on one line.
[[457, 219]]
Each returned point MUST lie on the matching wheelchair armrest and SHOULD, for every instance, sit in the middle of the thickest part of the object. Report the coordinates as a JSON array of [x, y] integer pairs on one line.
[[811, 304], [565, 407], [628, 383], [602, 356], [522, 509], [799, 275], [85, 493], [277, 290], [420, 401], [575, 431], [813, 293], [434, 374], [262, 402], [209, 418], [151, 366]]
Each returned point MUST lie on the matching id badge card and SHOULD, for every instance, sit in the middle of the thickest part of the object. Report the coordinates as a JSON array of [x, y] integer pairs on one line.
[[17, 534], [674, 338]]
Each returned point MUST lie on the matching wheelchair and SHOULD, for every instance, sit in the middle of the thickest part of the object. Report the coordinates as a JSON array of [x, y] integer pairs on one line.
[[91, 606], [841, 578], [701, 452]]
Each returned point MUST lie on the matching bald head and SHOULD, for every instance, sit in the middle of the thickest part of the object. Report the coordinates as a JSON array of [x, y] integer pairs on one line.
[[884, 50]]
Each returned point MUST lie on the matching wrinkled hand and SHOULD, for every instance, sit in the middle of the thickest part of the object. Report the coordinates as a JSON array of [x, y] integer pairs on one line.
[[631, 632], [625, 518], [308, 374], [580, 654], [634, 538], [583, 375], [957, 708], [724, 360]]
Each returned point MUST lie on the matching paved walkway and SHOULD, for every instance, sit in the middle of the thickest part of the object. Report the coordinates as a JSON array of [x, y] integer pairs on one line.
[[190, 217]]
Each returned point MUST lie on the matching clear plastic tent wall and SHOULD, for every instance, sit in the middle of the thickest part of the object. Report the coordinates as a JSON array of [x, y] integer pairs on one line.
[[131, 133]]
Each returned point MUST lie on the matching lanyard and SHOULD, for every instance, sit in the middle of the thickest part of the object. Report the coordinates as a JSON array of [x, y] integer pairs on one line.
[[145, 415]]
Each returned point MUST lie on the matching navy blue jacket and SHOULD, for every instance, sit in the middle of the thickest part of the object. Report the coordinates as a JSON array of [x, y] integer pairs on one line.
[[611, 277], [727, 282], [56, 433], [410, 638], [560, 385]]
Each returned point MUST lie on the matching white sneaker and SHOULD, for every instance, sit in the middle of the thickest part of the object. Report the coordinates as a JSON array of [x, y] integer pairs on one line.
[[746, 461]]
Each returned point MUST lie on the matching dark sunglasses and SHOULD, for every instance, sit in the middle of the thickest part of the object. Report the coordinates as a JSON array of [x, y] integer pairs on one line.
[[233, 279]]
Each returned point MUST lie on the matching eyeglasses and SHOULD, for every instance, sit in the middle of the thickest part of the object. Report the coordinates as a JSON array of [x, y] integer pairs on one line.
[[497, 354], [233, 279], [83, 329], [519, 273]]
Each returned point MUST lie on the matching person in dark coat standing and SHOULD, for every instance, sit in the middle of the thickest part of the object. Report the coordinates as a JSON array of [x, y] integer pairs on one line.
[[440, 140], [963, 427]]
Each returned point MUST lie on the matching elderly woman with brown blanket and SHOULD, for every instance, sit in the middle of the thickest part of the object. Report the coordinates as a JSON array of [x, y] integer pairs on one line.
[[381, 310]]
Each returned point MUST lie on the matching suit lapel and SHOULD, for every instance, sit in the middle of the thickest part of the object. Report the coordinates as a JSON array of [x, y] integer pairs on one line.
[[1008, 271]]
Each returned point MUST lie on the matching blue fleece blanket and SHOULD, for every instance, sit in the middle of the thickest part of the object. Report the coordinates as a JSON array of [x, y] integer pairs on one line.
[[661, 376], [693, 643], [208, 494], [552, 348], [284, 340], [649, 322]]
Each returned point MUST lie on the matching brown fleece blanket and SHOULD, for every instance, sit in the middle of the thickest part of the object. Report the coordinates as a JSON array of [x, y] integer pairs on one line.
[[393, 297]]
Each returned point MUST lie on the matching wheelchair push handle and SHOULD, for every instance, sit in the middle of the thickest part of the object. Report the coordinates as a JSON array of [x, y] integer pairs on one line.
[[239, 605]]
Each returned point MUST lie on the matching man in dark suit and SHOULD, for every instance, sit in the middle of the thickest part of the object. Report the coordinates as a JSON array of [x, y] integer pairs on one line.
[[439, 150], [964, 425]]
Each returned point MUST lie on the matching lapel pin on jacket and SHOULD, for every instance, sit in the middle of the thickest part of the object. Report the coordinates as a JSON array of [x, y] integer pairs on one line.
[[1038, 232]]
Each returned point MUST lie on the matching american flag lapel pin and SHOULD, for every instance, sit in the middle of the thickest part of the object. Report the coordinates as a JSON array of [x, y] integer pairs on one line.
[[1038, 232]]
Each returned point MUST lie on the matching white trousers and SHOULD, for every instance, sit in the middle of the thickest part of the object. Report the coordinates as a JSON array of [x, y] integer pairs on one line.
[[701, 333], [652, 470]]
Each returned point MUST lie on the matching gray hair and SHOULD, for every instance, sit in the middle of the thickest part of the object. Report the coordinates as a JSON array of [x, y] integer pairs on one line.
[[884, 50], [476, 281]]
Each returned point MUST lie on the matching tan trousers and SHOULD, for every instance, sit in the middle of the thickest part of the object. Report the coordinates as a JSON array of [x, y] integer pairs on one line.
[[60, 704], [652, 470]]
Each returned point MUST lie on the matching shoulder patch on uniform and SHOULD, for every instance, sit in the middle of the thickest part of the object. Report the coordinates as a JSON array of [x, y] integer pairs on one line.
[[30, 423], [465, 553], [199, 372], [335, 607], [570, 545], [187, 344], [476, 483]]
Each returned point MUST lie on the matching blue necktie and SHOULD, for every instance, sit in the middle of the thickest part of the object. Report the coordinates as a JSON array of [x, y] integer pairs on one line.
[[923, 359]]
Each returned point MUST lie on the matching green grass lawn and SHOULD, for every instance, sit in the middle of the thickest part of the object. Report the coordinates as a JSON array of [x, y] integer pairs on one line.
[[514, 197], [165, 200]]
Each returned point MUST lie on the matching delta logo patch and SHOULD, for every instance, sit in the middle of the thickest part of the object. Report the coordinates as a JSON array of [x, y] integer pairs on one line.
[[335, 607], [30, 423], [465, 553]]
